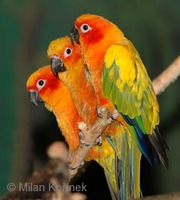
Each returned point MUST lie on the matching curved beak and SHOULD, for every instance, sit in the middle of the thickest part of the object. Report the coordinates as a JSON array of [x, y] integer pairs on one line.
[[57, 65], [74, 35], [35, 98]]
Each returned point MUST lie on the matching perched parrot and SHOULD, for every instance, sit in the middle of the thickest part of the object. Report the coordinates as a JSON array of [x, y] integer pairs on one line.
[[67, 63], [44, 87], [120, 78], [85, 102]]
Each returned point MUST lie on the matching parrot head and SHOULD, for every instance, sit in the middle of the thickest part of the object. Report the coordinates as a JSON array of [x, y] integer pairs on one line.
[[92, 29], [64, 56], [41, 86]]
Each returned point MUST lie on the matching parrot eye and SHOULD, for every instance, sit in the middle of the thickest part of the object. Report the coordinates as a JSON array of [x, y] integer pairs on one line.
[[85, 28], [67, 52], [40, 84]]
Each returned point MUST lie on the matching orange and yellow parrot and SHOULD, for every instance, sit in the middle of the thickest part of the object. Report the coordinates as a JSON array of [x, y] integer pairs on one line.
[[44, 87], [67, 63], [120, 78], [85, 102]]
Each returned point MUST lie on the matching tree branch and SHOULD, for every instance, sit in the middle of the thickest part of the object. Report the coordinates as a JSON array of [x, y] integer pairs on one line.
[[169, 75], [90, 133]]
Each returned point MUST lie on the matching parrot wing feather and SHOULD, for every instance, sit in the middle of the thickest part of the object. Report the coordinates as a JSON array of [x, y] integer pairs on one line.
[[127, 85]]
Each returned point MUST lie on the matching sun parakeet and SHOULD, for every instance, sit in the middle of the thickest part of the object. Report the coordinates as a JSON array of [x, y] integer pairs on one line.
[[85, 102], [44, 87], [120, 77], [67, 63]]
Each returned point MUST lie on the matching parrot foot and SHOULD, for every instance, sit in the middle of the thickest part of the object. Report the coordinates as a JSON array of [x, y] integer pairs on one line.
[[83, 142], [83, 127], [71, 166], [99, 141], [81, 164], [100, 111], [115, 114]]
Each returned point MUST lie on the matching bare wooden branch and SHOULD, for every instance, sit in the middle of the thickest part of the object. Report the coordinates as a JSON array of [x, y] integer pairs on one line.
[[169, 75], [91, 133]]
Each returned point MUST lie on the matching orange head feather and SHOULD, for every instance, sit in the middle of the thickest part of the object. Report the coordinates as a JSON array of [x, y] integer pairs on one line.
[[63, 48], [96, 34], [57, 99], [45, 84], [75, 76]]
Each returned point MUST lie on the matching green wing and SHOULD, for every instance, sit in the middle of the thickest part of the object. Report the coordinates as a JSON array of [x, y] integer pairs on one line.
[[127, 84]]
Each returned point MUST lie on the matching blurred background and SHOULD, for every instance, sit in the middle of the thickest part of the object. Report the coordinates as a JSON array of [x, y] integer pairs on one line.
[[26, 29]]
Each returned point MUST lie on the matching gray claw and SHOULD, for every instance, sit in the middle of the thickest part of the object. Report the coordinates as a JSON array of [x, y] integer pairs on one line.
[[99, 141], [82, 164], [115, 114], [100, 110], [73, 168], [70, 167], [81, 135]]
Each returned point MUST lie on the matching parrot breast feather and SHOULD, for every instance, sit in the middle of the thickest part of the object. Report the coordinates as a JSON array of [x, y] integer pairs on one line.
[[127, 85]]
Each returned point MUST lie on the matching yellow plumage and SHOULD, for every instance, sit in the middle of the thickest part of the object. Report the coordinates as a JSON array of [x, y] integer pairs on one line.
[[127, 74]]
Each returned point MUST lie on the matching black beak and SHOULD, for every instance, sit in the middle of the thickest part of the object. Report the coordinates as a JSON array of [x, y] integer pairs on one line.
[[74, 35], [35, 98], [57, 65]]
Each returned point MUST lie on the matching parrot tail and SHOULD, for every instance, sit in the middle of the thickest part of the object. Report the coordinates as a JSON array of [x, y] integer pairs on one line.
[[127, 166], [160, 146], [152, 146]]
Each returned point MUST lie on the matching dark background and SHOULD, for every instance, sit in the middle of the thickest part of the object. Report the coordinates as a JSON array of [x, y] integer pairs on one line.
[[26, 29]]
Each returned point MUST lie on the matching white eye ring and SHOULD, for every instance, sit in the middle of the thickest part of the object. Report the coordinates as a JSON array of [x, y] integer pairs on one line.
[[85, 28], [67, 52], [40, 83]]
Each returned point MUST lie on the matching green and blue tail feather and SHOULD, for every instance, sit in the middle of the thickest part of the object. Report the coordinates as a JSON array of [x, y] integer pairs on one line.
[[142, 140]]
